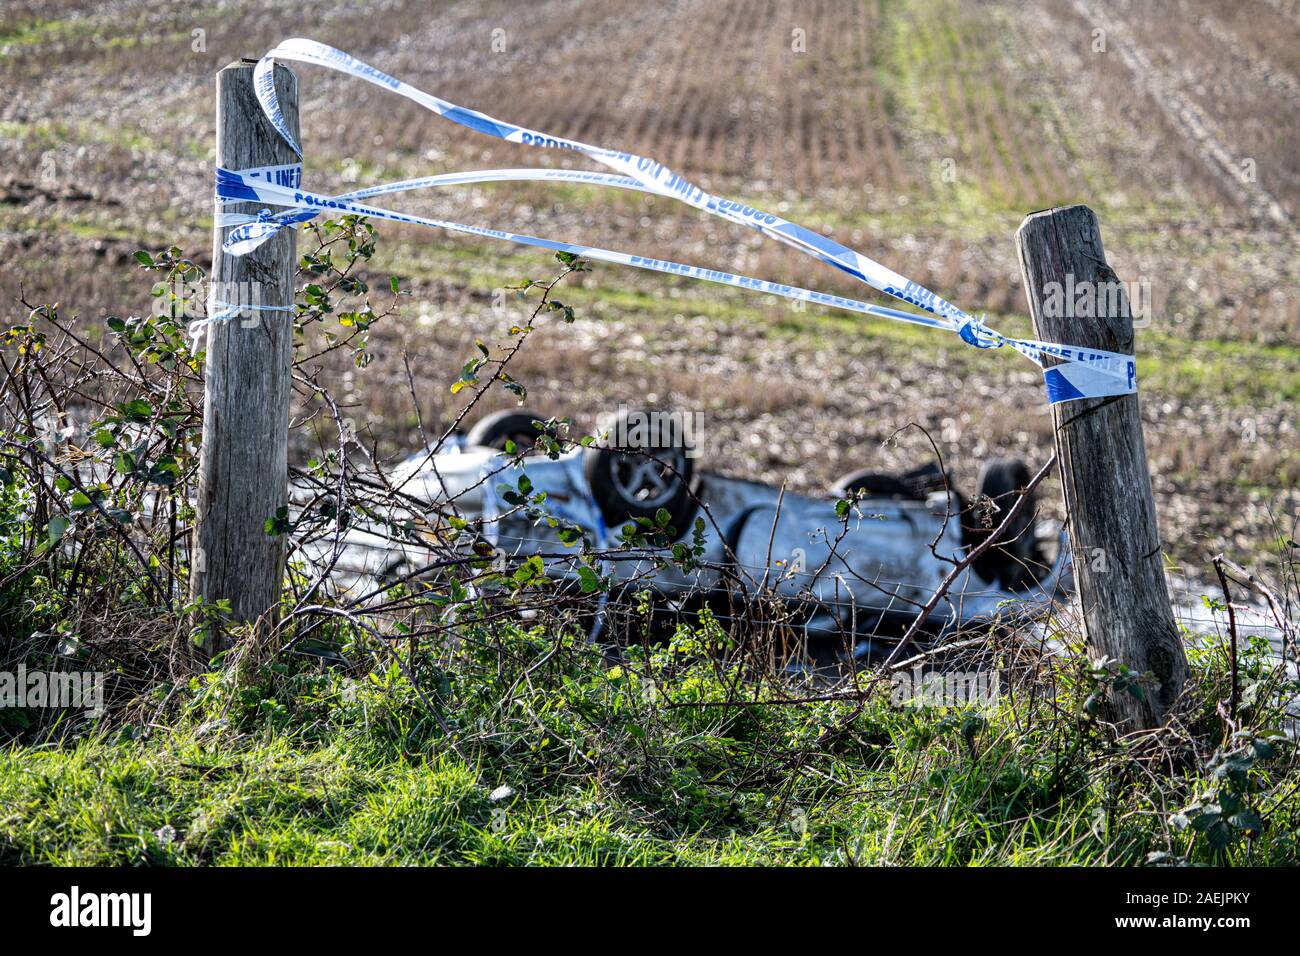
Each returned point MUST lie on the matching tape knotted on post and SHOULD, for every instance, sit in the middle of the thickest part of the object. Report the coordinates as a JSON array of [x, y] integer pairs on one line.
[[1069, 372]]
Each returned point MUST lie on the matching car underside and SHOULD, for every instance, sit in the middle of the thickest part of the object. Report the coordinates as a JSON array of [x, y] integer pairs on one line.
[[853, 567]]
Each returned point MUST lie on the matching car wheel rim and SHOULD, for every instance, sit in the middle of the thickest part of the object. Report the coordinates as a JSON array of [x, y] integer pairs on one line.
[[644, 480]]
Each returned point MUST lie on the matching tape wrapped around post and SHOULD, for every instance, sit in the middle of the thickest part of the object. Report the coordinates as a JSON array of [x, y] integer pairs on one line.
[[1069, 373]]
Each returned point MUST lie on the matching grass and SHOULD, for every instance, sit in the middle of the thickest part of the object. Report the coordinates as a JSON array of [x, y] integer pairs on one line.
[[21, 33], [556, 752], [442, 729], [48, 134], [286, 762], [328, 805], [123, 31]]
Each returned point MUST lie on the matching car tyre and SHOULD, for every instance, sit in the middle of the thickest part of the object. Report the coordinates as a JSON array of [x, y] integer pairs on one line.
[[494, 430], [636, 482], [1011, 560], [868, 484], [916, 483]]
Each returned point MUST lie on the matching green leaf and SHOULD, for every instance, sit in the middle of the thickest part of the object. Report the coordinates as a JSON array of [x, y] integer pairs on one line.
[[122, 516], [1247, 820], [589, 580], [165, 471], [58, 527], [137, 410], [144, 258], [529, 571], [1219, 835], [278, 524], [1207, 818]]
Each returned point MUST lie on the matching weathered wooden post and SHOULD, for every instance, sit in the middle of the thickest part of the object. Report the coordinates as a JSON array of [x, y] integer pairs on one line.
[[243, 463], [1111, 511]]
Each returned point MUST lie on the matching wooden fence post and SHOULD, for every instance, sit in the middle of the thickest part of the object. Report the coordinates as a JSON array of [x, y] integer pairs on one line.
[[1111, 511], [243, 462]]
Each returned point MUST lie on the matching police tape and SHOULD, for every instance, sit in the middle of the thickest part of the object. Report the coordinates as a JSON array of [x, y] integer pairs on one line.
[[1069, 372]]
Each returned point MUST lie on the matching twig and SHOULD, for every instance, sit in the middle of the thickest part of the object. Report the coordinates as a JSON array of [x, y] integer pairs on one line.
[[946, 584], [1232, 636]]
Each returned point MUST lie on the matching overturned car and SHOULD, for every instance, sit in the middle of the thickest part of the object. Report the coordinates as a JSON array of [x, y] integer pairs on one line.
[[856, 564]]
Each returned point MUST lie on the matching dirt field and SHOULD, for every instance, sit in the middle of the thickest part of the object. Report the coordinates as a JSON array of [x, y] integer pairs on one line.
[[917, 131]]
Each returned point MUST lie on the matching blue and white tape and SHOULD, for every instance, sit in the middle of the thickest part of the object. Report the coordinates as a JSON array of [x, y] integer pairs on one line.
[[1069, 372]]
